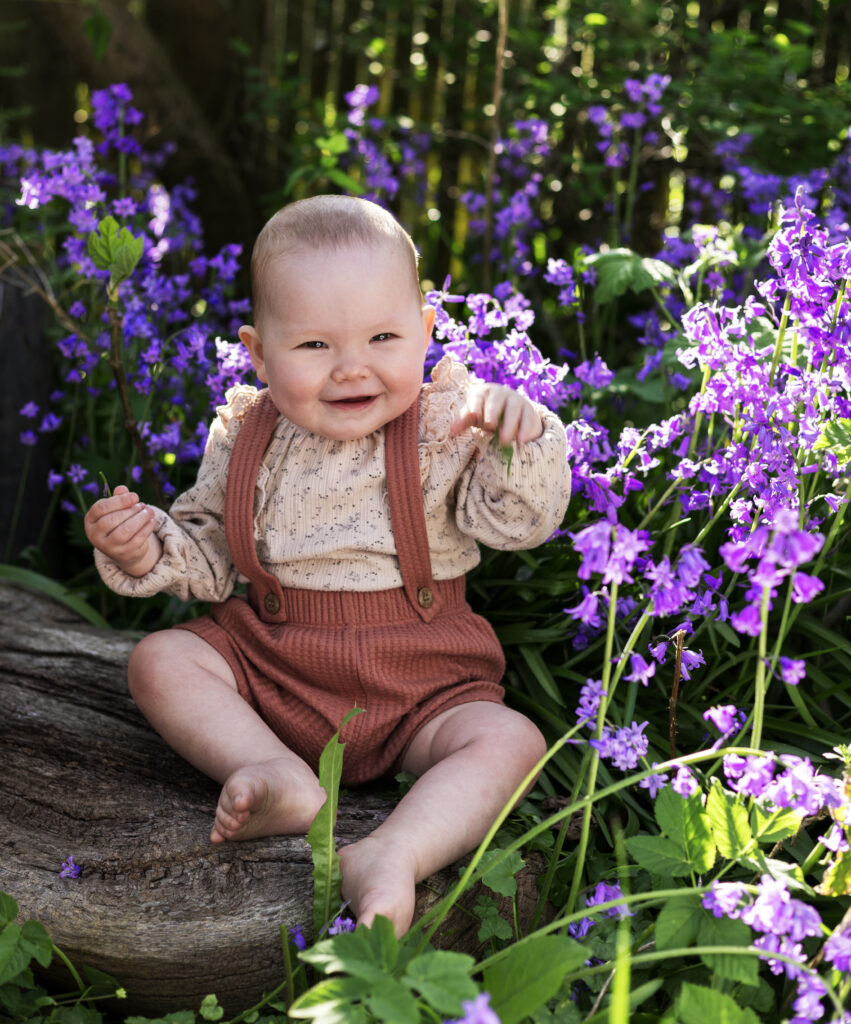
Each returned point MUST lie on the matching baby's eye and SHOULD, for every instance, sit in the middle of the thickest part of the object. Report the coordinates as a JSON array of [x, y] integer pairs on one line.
[[313, 344], [383, 336]]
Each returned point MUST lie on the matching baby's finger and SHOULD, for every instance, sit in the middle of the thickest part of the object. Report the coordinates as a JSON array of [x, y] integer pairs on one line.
[[509, 424], [531, 426], [468, 415]]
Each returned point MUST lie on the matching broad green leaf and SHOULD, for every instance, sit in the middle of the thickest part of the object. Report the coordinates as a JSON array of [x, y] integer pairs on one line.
[[773, 826], [699, 1005], [178, 1017], [500, 879], [530, 975], [443, 978], [687, 824], [335, 144], [367, 953], [390, 1000], [326, 861], [678, 922], [81, 1014], [658, 855], [35, 942], [331, 999], [729, 821], [723, 931], [836, 438], [8, 908], [13, 959]]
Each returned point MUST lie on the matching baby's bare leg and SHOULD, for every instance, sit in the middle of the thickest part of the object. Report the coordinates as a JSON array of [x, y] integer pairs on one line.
[[188, 693], [470, 760]]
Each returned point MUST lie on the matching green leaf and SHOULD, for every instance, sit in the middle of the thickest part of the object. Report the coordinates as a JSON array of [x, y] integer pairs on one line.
[[367, 953], [331, 1001], [8, 908], [60, 593], [210, 1009], [178, 1017], [729, 821], [658, 855], [13, 959], [443, 978], [326, 861], [678, 922], [687, 824], [344, 181], [724, 931], [836, 438], [36, 942], [494, 925], [699, 1005], [530, 975], [774, 826], [390, 1000], [620, 270], [500, 879], [98, 28]]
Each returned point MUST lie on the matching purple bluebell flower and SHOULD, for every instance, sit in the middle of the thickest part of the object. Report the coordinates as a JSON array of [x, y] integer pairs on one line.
[[69, 869], [725, 718], [477, 1011], [725, 899], [837, 950], [341, 924], [684, 784], [792, 670]]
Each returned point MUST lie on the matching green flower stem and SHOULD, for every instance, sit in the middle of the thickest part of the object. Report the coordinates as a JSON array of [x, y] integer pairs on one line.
[[19, 498], [760, 684], [72, 970], [698, 418], [632, 183], [595, 757], [693, 951], [440, 909], [722, 508], [782, 632], [781, 332]]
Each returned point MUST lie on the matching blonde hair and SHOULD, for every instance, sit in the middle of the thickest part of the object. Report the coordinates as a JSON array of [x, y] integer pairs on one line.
[[325, 222]]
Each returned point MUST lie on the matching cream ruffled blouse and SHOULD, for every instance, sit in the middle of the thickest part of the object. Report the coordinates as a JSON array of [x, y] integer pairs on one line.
[[321, 513]]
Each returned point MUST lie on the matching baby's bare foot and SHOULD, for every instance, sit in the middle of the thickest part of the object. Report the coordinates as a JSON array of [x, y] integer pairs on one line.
[[379, 878], [266, 799]]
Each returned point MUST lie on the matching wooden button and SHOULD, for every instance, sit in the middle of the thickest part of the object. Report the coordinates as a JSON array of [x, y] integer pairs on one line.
[[425, 598], [272, 603]]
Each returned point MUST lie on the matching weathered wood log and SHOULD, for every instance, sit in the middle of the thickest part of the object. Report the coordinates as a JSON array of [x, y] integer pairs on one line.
[[169, 914]]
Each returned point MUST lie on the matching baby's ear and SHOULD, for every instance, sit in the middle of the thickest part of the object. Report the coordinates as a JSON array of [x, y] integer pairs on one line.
[[252, 341], [428, 322]]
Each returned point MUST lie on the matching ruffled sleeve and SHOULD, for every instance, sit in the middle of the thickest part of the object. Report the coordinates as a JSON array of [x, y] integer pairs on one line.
[[503, 506], [195, 562]]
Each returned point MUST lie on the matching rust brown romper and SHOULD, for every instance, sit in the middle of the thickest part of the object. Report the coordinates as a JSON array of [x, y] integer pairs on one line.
[[304, 658]]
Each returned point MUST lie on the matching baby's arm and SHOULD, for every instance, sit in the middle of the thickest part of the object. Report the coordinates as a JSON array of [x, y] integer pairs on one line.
[[123, 529], [495, 407]]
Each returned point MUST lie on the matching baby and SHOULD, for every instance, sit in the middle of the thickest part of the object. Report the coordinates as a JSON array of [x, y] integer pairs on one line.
[[350, 497]]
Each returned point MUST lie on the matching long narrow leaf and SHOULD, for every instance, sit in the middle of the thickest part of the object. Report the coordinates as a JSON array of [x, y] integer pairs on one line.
[[326, 861]]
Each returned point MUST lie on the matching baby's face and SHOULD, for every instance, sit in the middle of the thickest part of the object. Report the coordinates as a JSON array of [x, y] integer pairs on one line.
[[343, 344]]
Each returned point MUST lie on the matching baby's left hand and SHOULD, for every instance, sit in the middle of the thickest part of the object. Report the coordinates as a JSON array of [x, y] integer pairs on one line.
[[496, 407]]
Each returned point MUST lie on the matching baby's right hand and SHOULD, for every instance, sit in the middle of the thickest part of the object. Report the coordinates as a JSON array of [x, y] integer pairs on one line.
[[123, 529]]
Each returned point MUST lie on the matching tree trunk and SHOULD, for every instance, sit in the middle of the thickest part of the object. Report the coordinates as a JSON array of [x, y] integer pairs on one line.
[[169, 914]]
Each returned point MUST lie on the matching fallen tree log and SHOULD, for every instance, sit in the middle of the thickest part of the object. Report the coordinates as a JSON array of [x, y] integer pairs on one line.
[[169, 914]]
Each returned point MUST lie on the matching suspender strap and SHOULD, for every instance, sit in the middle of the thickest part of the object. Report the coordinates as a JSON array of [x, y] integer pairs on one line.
[[248, 450], [407, 513]]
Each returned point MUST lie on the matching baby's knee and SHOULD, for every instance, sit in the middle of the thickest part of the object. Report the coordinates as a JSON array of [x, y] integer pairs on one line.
[[152, 660]]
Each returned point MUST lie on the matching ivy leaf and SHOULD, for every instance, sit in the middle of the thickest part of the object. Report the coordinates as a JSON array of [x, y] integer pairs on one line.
[[724, 931], [494, 925], [530, 975], [678, 922], [729, 821], [443, 978], [658, 855], [210, 1009]]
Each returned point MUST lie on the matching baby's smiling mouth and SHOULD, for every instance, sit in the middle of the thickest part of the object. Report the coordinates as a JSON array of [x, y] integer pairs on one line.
[[353, 400]]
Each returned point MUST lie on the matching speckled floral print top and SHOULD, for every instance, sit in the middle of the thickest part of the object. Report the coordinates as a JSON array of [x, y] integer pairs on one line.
[[321, 515]]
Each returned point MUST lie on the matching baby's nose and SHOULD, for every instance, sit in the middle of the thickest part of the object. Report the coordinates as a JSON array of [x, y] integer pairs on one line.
[[350, 369]]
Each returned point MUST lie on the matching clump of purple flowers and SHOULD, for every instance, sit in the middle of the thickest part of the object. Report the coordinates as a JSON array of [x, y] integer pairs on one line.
[[69, 869]]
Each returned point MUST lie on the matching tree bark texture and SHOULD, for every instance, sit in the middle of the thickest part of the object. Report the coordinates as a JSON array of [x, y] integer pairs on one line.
[[169, 914]]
